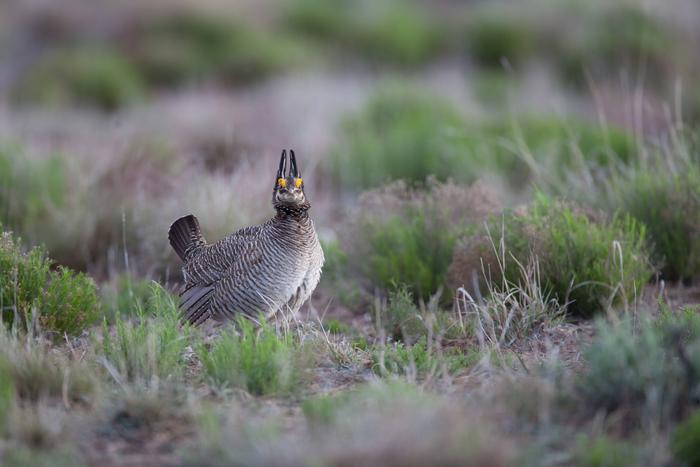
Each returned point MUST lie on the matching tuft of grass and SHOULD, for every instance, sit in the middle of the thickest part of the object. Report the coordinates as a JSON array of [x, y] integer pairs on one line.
[[646, 372], [586, 264], [90, 76], [260, 361], [424, 359], [685, 441], [401, 235], [126, 296], [60, 301], [668, 204], [510, 311], [400, 319], [149, 350]]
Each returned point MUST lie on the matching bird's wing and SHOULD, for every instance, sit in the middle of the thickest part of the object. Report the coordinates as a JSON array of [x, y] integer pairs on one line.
[[229, 257]]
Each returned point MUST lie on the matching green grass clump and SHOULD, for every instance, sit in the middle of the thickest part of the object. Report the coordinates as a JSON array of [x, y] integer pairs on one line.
[[150, 349], [384, 31], [685, 441], [61, 301], [645, 371], [583, 263], [89, 76], [402, 320], [419, 360], [400, 235], [668, 205], [261, 361], [402, 134], [492, 39], [182, 48], [126, 296]]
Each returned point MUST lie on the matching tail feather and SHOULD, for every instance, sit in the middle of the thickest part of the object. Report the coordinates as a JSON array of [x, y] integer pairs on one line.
[[184, 235]]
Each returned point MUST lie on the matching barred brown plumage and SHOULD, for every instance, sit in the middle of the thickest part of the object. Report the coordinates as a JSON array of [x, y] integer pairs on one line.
[[256, 270]]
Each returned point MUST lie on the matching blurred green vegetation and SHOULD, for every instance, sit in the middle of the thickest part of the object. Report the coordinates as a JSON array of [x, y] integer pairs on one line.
[[603, 451], [685, 442], [403, 134], [189, 47], [645, 370], [408, 134], [29, 189], [492, 38], [384, 31], [185, 45], [101, 77]]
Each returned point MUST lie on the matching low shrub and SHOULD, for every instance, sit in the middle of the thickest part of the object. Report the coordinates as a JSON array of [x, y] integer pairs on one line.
[[98, 77], [399, 235], [645, 371], [538, 148], [685, 441], [149, 349], [60, 301], [586, 264], [505, 312], [668, 204], [260, 361]]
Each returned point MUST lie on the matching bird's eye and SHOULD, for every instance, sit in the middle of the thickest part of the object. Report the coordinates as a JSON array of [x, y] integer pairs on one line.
[[298, 182], [282, 182]]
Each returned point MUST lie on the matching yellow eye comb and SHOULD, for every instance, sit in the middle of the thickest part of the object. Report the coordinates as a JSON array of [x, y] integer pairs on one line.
[[298, 182], [282, 182]]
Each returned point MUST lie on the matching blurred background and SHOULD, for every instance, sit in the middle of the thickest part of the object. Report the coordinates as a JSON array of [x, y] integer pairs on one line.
[[118, 117]]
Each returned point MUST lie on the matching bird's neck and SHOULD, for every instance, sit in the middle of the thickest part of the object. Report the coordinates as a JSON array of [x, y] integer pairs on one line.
[[294, 213]]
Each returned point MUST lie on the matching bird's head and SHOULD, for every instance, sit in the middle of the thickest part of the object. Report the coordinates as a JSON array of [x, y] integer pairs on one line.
[[288, 194]]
